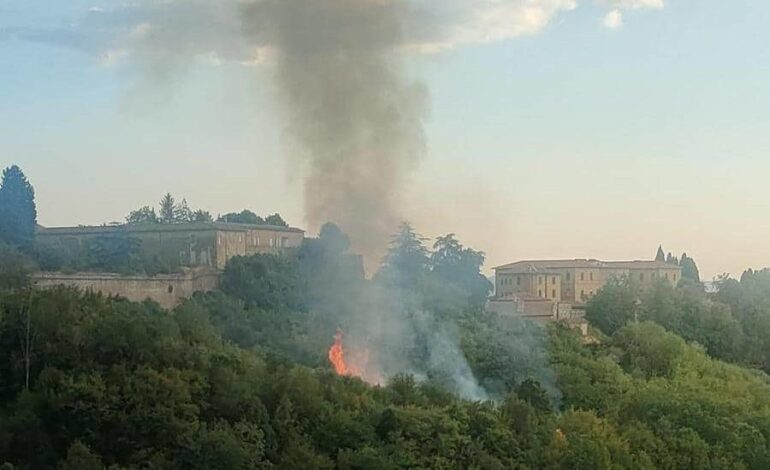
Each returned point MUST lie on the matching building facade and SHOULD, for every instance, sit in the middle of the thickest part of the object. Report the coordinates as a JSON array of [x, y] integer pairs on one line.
[[204, 244], [557, 290], [576, 281]]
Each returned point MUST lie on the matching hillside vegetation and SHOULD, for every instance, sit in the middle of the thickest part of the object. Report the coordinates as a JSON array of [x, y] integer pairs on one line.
[[239, 378]]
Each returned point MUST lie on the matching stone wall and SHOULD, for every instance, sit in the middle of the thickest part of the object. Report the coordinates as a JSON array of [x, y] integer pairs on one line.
[[166, 289]]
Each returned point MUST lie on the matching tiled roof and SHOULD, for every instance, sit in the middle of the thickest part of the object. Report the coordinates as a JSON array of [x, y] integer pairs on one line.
[[543, 266]]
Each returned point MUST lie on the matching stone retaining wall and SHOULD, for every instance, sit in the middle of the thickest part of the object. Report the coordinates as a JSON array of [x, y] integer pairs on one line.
[[166, 289]]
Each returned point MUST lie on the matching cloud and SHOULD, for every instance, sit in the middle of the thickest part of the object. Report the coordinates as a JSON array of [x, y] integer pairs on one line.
[[212, 30], [446, 24], [635, 4], [613, 19]]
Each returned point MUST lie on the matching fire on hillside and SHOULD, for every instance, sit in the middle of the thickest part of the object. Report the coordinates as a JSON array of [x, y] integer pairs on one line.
[[352, 361]]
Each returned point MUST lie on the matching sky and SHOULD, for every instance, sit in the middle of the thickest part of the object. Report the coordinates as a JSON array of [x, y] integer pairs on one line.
[[590, 130]]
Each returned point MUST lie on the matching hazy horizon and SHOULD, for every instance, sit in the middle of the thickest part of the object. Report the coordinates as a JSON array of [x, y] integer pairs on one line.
[[584, 135]]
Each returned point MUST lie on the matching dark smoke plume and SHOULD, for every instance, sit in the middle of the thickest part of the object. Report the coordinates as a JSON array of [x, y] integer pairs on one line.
[[357, 122]]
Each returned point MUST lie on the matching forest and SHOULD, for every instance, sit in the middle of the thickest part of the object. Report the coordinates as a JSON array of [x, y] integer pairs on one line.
[[240, 378]]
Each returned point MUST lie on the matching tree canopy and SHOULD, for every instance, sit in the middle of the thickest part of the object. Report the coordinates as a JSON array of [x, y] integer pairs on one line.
[[248, 217], [689, 268], [169, 212], [239, 378], [18, 213]]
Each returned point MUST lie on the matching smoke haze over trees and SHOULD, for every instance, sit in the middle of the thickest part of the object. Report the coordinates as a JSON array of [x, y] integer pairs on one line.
[[225, 382], [239, 378]]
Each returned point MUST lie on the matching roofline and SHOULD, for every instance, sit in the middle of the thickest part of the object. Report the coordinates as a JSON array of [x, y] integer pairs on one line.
[[183, 227], [530, 261], [600, 264]]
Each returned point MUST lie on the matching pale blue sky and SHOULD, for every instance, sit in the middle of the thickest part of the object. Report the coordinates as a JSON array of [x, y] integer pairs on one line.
[[577, 141]]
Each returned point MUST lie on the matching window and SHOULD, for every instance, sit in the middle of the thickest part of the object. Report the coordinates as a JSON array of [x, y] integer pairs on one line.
[[641, 276], [666, 276], [582, 294], [553, 293], [540, 279], [675, 277], [582, 276], [170, 289], [591, 276], [553, 280], [518, 280], [540, 293], [568, 277], [591, 293]]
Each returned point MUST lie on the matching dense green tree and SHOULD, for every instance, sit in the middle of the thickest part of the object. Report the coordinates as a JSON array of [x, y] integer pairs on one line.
[[749, 302], [143, 215], [648, 350], [456, 270], [201, 216], [18, 215], [80, 457], [614, 305], [243, 217], [167, 211], [275, 220], [406, 264], [265, 281], [533, 393], [685, 310], [689, 268], [15, 269], [182, 212], [239, 378]]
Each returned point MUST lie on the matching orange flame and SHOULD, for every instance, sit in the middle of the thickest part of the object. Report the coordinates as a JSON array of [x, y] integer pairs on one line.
[[337, 358], [337, 355]]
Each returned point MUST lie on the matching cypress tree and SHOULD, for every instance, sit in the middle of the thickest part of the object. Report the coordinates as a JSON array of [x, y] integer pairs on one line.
[[18, 214], [661, 256], [167, 213]]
